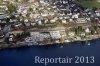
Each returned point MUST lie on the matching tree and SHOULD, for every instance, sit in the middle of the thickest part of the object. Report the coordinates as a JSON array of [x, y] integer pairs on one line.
[[7, 40], [1, 1], [11, 8], [62, 40], [92, 32], [30, 9]]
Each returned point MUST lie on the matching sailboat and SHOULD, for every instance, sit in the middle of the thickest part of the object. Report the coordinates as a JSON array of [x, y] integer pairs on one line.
[[88, 43], [61, 46]]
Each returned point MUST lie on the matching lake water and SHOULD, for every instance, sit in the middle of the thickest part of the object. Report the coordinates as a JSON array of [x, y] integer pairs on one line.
[[25, 56]]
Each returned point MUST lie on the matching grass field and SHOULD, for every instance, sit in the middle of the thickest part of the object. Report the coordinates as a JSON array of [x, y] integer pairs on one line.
[[90, 4]]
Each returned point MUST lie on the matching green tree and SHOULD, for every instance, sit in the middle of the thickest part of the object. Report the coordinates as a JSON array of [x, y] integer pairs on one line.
[[92, 32], [1, 1], [11, 8]]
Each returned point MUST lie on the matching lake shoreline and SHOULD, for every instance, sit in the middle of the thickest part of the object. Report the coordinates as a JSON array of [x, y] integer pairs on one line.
[[21, 45]]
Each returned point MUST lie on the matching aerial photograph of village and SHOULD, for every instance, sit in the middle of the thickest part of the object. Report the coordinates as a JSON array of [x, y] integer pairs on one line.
[[43, 22], [49, 32]]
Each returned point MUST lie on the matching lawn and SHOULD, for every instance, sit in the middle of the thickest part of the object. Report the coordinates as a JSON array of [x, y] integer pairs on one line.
[[90, 4]]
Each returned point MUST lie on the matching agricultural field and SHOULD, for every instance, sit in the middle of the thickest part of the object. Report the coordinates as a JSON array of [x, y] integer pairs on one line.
[[89, 3]]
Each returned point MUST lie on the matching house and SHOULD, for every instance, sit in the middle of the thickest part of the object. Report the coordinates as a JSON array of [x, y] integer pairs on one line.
[[27, 23], [46, 21], [52, 21], [31, 1], [64, 21], [71, 34], [36, 15], [97, 13], [39, 21], [11, 38], [33, 23], [16, 14], [32, 33], [42, 1], [37, 36], [87, 30], [81, 20], [3, 22], [82, 34], [71, 20], [0, 28], [2, 17], [88, 19], [75, 16], [15, 32], [17, 24], [66, 17], [28, 39], [51, 13], [31, 15], [69, 14], [55, 34], [13, 20], [3, 7], [63, 33], [1, 35], [44, 14], [60, 17]]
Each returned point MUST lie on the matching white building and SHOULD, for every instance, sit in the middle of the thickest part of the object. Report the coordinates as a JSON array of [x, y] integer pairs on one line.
[[64, 21], [87, 30], [55, 34], [75, 16]]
